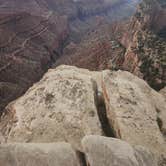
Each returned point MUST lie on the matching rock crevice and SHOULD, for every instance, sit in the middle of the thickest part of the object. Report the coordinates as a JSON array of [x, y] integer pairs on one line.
[[102, 114], [70, 103]]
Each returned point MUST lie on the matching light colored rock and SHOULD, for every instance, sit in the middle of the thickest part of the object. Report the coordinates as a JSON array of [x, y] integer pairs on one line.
[[134, 110], [104, 151], [60, 154], [145, 157], [61, 107], [163, 92], [64, 106]]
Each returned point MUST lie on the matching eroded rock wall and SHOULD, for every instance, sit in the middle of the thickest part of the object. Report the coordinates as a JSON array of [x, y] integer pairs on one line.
[[145, 41]]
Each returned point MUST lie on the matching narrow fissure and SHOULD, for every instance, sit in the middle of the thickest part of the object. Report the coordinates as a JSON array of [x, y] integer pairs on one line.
[[160, 124], [102, 114], [82, 159]]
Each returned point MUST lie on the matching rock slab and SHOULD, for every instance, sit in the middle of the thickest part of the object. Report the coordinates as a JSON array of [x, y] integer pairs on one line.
[[103, 151], [136, 113], [60, 154], [61, 107]]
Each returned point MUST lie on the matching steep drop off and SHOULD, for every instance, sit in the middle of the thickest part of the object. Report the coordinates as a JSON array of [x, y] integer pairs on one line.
[[146, 43], [34, 33]]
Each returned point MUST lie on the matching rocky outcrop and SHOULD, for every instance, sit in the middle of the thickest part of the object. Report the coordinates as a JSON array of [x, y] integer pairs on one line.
[[70, 103], [63, 109], [135, 111]]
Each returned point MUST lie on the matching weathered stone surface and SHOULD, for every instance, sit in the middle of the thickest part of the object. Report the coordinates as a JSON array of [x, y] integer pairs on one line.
[[60, 154], [136, 112], [69, 103], [163, 92], [102, 151], [61, 107]]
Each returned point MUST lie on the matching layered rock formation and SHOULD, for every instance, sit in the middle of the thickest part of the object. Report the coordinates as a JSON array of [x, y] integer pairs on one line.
[[27, 47], [70, 103], [137, 46], [35, 32], [98, 49], [146, 43], [75, 116]]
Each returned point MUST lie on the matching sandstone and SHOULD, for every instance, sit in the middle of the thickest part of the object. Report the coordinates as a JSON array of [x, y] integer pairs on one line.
[[61, 107], [136, 113], [59, 154], [70, 103], [103, 151], [163, 92]]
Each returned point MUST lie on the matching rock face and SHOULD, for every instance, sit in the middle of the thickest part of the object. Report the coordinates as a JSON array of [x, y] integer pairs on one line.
[[59, 154], [102, 151], [70, 103], [145, 41]]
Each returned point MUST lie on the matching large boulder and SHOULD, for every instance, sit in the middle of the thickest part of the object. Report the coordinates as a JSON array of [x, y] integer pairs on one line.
[[61, 107], [70, 103], [136, 113], [103, 151], [59, 154]]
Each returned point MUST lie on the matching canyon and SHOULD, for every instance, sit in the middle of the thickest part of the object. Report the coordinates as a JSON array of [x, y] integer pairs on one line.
[[82, 83], [35, 34]]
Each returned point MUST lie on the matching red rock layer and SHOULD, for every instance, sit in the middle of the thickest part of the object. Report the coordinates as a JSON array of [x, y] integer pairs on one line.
[[34, 33], [145, 42], [27, 47]]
